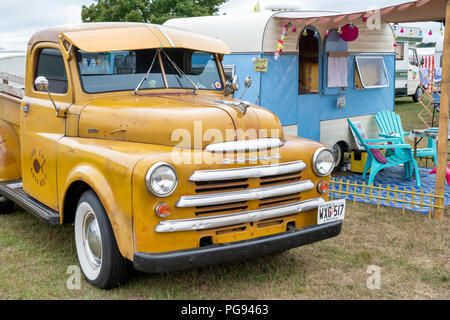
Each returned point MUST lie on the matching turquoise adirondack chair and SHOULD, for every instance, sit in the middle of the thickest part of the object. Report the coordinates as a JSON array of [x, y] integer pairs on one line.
[[390, 125], [376, 161]]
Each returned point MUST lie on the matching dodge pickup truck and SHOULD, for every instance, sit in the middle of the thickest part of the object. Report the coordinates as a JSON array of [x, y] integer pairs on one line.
[[131, 133]]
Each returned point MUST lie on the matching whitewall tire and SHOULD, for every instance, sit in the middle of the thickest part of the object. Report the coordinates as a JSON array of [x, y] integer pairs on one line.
[[98, 254]]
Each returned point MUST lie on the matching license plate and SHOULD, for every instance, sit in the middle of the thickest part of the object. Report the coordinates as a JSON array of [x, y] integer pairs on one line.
[[331, 211]]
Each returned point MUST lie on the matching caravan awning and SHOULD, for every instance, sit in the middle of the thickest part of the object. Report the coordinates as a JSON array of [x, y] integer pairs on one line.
[[411, 11]]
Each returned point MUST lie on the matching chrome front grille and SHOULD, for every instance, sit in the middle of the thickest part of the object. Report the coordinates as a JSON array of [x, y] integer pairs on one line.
[[239, 195]]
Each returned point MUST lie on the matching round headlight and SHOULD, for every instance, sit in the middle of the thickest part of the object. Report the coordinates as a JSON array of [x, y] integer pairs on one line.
[[323, 162], [161, 179]]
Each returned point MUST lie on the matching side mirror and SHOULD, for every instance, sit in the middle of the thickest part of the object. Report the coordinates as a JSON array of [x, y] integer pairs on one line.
[[233, 85], [248, 83], [41, 84]]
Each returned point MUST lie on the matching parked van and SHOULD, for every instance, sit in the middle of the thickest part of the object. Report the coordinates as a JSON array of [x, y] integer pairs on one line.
[[407, 63], [319, 80]]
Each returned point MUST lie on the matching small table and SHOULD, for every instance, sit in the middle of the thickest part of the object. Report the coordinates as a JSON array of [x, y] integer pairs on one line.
[[418, 135]]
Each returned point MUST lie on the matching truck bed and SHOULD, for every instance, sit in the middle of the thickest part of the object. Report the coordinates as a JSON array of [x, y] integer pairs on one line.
[[11, 95]]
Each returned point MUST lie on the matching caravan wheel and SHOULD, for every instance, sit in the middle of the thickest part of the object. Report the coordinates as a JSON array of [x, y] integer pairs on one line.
[[338, 154]]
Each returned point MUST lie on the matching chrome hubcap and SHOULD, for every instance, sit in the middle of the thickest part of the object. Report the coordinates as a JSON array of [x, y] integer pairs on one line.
[[92, 240]]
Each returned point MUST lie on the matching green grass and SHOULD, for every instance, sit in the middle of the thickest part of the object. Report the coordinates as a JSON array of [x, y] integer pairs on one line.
[[411, 250]]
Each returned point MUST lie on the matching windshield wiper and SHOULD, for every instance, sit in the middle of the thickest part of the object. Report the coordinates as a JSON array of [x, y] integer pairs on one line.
[[147, 74], [180, 72]]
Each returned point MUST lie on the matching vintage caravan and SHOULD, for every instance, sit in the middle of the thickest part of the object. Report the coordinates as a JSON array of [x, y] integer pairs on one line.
[[312, 69], [408, 64], [13, 62]]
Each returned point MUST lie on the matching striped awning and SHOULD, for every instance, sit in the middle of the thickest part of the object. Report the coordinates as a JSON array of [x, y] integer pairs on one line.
[[411, 11]]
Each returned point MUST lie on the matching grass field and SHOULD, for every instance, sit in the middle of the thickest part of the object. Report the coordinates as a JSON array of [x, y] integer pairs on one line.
[[411, 251]]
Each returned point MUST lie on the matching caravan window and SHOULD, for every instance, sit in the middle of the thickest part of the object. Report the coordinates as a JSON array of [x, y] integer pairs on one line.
[[230, 71], [400, 51], [371, 72], [413, 57]]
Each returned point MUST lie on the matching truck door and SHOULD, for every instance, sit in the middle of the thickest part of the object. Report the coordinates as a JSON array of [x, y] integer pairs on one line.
[[41, 129], [414, 71]]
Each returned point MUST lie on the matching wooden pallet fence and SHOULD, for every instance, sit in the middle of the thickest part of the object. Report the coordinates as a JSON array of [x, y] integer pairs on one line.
[[356, 192]]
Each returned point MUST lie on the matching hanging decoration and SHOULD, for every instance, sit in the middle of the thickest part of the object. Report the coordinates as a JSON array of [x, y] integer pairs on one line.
[[284, 36], [349, 32], [420, 33], [441, 30], [430, 33], [402, 30], [327, 34], [339, 30]]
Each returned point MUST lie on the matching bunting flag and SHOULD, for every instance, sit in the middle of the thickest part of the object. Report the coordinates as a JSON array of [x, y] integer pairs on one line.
[[257, 7]]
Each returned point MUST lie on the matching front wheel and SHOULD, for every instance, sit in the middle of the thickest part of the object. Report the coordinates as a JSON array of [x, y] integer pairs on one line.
[[98, 253]]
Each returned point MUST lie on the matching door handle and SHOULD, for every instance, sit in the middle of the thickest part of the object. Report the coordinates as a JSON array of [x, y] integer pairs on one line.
[[25, 108]]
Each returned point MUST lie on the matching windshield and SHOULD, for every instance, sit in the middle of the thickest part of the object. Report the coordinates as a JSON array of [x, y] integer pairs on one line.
[[124, 70]]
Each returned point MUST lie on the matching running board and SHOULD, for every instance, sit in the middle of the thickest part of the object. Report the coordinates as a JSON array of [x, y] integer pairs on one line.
[[13, 190]]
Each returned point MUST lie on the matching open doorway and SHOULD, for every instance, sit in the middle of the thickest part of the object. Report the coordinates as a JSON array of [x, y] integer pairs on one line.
[[309, 46]]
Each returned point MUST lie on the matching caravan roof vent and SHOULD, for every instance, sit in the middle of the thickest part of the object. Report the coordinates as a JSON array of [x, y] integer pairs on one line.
[[282, 7]]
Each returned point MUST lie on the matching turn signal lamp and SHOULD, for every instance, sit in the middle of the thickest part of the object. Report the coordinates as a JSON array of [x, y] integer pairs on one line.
[[162, 210], [323, 187]]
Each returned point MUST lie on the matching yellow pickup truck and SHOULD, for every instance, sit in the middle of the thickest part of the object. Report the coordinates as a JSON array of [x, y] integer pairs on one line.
[[130, 132]]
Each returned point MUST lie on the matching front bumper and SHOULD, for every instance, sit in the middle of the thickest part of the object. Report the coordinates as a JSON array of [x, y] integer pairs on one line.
[[222, 253]]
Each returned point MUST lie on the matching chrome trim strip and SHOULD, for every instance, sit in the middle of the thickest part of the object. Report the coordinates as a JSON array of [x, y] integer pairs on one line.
[[237, 218], [245, 195], [248, 172], [165, 34], [245, 145]]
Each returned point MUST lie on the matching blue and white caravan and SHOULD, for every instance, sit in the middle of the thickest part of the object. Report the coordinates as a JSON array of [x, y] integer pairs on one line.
[[319, 79]]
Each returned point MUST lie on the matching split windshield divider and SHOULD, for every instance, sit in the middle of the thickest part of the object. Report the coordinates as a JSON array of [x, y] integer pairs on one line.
[[174, 65]]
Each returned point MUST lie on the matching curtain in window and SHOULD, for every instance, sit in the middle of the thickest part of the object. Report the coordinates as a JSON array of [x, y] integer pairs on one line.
[[337, 72]]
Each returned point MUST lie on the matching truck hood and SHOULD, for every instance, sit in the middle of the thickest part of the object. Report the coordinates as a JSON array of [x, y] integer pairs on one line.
[[182, 120]]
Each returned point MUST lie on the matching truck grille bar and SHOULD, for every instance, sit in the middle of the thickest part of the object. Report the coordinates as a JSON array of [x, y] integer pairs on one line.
[[244, 195], [249, 172], [210, 222]]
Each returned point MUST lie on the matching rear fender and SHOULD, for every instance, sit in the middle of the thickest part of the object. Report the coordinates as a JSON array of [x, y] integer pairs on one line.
[[10, 164]]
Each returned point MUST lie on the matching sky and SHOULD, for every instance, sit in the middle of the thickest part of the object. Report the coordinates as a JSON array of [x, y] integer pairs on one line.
[[19, 19]]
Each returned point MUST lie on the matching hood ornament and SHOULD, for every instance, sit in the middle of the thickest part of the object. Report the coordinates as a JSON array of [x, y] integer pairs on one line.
[[241, 106]]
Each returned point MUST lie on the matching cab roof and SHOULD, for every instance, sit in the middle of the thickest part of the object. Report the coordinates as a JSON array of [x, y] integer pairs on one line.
[[119, 36]]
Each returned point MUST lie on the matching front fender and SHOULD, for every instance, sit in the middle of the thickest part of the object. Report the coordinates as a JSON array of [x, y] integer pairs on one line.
[[119, 219], [107, 168]]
